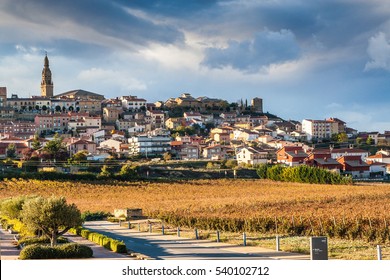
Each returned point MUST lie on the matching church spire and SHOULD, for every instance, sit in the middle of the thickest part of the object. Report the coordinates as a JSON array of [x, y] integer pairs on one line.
[[46, 83], [46, 61]]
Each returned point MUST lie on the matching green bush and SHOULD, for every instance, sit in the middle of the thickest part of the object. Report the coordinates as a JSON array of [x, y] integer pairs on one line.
[[40, 240], [85, 233], [74, 250], [66, 251], [301, 174], [95, 216], [76, 230], [102, 240], [11, 207], [38, 251], [117, 246]]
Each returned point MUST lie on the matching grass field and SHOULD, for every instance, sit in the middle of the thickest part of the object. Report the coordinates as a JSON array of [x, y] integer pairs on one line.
[[354, 214]]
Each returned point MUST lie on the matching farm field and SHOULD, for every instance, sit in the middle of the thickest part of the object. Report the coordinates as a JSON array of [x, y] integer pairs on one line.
[[352, 214]]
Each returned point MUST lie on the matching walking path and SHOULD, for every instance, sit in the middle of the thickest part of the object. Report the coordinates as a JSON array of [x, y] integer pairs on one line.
[[9, 250], [158, 246]]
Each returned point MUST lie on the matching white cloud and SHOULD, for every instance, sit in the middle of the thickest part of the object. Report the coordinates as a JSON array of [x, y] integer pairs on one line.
[[250, 56], [115, 79], [379, 52]]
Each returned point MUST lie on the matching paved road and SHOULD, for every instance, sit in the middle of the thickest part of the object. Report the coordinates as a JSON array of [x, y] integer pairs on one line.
[[169, 247], [9, 251]]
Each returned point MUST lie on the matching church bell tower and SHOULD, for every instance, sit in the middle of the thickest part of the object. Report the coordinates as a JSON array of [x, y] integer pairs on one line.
[[47, 83]]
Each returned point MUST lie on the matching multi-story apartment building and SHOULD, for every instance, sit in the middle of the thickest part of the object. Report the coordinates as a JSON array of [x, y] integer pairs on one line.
[[148, 145], [51, 122], [157, 118], [20, 129], [132, 103], [61, 104], [29, 104], [319, 129], [54, 122], [90, 106], [111, 114], [82, 122]]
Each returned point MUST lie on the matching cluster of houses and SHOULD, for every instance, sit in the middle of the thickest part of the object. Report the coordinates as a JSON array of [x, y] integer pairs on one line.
[[140, 129], [130, 126]]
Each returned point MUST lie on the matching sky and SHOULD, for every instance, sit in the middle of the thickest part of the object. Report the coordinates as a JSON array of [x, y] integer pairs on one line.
[[307, 59]]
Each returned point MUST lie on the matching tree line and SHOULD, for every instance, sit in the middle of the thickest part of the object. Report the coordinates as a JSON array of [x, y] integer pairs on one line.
[[301, 174]]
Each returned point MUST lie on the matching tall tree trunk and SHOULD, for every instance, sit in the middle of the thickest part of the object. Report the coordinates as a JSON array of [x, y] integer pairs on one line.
[[53, 239]]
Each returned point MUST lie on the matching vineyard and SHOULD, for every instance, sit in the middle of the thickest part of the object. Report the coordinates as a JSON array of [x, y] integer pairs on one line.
[[353, 212]]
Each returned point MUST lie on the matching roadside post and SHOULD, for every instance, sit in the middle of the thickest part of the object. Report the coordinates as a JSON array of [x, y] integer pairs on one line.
[[162, 229], [319, 248], [196, 234], [178, 232], [150, 228], [218, 237], [244, 238], [277, 243], [379, 252]]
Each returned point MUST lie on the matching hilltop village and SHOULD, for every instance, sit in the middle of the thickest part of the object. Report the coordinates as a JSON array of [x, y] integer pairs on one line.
[[181, 128]]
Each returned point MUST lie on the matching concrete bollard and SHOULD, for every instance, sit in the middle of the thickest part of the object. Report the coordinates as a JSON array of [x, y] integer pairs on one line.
[[150, 228], [277, 243], [129, 225], [120, 223], [162, 229], [196, 234], [178, 232], [218, 237], [244, 238], [379, 252]]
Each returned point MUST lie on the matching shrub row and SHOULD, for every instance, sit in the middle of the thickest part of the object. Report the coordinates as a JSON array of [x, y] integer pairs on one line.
[[359, 228], [84, 176], [100, 239], [301, 174], [66, 251], [15, 225]]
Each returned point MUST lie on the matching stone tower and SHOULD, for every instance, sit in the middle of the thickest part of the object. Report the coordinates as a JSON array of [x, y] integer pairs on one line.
[[3, 96], [257, 105], [47, 83]]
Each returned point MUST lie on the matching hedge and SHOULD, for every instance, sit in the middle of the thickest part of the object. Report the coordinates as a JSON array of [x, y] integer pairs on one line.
[[301, 174], [40, 240], [100, 239], [66, 251]]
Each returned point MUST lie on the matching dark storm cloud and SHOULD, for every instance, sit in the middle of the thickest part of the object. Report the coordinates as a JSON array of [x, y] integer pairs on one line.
[[335, 23], [251, 55], [106, 17]]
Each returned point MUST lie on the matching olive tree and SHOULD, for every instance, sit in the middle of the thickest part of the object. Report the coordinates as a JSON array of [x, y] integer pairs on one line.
[[52, 216]]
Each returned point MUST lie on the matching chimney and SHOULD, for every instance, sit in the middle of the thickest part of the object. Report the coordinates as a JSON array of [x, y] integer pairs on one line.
[[296, 152]]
